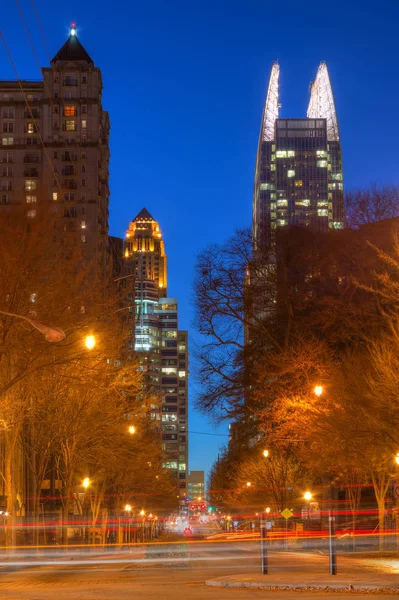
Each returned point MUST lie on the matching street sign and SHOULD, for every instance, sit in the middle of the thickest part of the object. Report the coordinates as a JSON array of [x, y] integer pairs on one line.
[[286, 513], [396, 491]]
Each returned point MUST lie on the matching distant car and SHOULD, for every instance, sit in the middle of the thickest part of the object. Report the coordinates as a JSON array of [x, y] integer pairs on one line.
[[188, 531]]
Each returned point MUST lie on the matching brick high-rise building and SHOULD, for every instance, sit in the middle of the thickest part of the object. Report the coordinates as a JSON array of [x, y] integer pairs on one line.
[[54, 151]]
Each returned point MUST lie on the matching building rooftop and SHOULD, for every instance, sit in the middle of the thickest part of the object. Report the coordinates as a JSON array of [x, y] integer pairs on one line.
[[72, 50], [144, 215]]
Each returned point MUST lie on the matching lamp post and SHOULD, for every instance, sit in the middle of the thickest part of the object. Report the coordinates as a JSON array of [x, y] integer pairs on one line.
[[50, 332], [142, 514], [308, 497], [128, 510], [86, 484]]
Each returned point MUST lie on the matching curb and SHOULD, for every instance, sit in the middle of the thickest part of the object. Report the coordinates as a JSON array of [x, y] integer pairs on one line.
[[326, 587]]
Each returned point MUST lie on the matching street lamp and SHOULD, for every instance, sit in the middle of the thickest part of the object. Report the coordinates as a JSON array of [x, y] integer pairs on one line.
[[318, 390], [86, 482], [308, 496], [248, 484], [128, 510], [90, 342], [397, 458], [142, 514], [132, 429], [267, 509], [50, 332], [266, 453]]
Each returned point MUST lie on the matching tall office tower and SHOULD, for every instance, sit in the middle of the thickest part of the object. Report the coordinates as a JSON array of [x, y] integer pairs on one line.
[[54, 151], [163, 347], [298, 175]]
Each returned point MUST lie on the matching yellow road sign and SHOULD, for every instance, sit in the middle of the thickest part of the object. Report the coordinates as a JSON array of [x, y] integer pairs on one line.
[[286, 513]]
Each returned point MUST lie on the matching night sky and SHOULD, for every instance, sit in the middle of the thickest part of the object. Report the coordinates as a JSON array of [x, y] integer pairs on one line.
[[185, 82]]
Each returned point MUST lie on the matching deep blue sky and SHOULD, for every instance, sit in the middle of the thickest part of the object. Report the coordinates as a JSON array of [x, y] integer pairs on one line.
[[184, 83]]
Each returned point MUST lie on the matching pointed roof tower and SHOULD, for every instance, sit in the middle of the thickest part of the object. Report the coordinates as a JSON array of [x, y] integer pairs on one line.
[[144, 215], [321, 103], [72, 50]]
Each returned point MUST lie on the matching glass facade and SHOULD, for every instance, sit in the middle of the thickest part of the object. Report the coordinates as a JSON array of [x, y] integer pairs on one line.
[[299, 177]]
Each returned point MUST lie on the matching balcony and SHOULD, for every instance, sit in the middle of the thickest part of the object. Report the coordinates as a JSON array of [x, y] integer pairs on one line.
[[30, 159], [70, 184], [70, 81], [31, 173]]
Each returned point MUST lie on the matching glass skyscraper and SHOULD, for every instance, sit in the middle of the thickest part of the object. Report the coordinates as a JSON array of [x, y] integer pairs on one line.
[[298, 176]]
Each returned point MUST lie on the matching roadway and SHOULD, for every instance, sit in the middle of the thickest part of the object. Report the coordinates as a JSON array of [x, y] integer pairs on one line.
[[166, 572]]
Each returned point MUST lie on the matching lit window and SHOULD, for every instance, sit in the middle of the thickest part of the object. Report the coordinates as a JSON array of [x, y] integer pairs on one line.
[[336, 176], [338, 225], [282, 202], [30, 184], [298, 183], [182, 374], [273, 157], [182, 467], [281, 153], [70, 125], [267, 186], [55, 195], [8, 141], [83, 238], [305, 202], [169, 371], [290, 173], [321, 203], [31, 128], [31, 199], [31, 214], [272, 196], [272, 167], [83, 224], [322, 212], [321, 154], [281, 222], [84, 124], [170, 465], [322, 163], [69, 111], [290, 153]]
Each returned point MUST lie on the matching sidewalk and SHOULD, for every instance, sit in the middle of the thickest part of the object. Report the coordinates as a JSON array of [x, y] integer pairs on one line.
[[368, 582]]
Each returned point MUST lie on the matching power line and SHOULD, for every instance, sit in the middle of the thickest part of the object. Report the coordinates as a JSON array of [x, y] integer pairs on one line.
[[206, 433]]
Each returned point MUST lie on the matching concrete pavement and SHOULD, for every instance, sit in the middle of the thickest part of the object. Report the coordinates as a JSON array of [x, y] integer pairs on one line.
[[386, 583]]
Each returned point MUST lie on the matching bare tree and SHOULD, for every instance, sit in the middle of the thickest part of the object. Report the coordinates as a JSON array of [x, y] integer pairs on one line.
[[371, 205]]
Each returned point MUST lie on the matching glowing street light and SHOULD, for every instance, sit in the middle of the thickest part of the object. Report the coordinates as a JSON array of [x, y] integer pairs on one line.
[[142, 513], [267, 509], [248, 484], [90, 342], [86, 482], [128, 508], [265, 453], [132, 429], [318, 390], [397, 458], [308, 496]]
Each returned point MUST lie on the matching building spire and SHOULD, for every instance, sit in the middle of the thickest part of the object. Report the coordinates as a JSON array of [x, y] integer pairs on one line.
[[321, 103], [72, 50], [270, 113]]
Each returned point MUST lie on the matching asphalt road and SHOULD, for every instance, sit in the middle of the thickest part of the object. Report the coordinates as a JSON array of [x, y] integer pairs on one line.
[[165, 573]]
